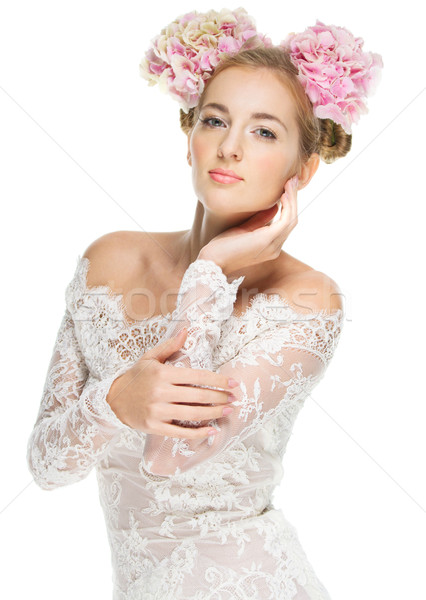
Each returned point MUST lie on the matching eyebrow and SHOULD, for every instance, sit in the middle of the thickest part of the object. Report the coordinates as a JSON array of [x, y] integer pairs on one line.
[[257, 115]]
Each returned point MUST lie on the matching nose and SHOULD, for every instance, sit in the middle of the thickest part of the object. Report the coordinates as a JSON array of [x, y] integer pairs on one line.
[[230, 147]]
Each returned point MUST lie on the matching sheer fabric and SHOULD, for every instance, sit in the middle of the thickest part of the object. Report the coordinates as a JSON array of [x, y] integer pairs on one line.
[[187, 519]]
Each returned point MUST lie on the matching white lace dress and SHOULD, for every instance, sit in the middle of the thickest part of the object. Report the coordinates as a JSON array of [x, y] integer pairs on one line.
[[187, 519]]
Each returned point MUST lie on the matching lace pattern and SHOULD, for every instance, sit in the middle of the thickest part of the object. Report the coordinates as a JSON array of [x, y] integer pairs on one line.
[[176, 510], [75, 424], [290, 354]]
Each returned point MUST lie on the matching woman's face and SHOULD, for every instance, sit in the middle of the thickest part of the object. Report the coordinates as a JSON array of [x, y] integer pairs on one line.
[[262, 151]]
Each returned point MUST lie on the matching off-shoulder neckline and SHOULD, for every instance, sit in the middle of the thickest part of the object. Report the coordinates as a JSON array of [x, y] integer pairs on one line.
[[260, 297]]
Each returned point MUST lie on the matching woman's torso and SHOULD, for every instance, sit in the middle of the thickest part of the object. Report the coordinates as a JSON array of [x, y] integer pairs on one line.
[[174, 537]]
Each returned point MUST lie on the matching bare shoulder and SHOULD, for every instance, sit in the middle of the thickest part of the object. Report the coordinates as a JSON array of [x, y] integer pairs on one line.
[[310, 291], [118, 257]]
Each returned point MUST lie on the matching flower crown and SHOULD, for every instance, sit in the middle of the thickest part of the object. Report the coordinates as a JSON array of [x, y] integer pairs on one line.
[[336, 73]]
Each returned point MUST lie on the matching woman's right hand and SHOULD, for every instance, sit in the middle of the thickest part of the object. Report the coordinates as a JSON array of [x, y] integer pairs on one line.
[[150, 394], [254, 241]]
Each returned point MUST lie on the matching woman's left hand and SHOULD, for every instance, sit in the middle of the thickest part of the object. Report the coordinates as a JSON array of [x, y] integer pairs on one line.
[[252, 242]]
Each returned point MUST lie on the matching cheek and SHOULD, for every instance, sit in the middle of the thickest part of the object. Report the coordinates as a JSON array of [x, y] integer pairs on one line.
[[199, 149], [271, 168]]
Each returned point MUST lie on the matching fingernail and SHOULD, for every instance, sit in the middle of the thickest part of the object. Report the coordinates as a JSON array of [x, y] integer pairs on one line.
[[227, 410], [231, 398], [232, 383]]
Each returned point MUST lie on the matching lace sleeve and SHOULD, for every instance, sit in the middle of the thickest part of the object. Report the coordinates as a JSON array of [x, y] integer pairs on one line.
[[205, 300], [75, 423], [277, 369]]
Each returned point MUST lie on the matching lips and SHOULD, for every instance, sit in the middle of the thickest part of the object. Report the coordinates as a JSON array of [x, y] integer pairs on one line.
[[226, 172], [219, 178]]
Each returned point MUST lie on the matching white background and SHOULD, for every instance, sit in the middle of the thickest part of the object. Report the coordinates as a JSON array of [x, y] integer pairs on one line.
[[88, 148]]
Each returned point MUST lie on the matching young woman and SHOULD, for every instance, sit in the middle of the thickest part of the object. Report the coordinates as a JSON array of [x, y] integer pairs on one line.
[[185, 407]]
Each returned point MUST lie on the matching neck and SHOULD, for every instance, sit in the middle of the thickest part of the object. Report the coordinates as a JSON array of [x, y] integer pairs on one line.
[[206, 227]]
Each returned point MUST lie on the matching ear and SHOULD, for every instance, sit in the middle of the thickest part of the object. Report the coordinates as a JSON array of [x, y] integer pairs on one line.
[[308, 170]]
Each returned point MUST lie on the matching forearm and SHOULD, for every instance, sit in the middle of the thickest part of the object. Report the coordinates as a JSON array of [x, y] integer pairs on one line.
[[64, 446], [207, 300]]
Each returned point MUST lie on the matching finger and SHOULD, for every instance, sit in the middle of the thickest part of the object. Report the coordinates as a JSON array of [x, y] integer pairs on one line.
[[181, 412], [256, 220], [178, 431], [288, 217], [288, 214], [197, 395], [199, 377], [292, 191], [290, 205], [287, 201], [168, 347], [269, 233], [284, 221]]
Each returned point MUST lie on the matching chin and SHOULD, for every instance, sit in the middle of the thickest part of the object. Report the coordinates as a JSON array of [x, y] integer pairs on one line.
[[221, 206], [215, 197]]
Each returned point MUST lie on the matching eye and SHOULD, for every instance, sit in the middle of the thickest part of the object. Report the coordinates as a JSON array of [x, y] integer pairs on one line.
[[206, 121], [271, 137]]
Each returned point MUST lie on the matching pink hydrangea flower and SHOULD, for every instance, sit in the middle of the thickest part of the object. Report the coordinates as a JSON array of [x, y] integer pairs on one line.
[[184, 55], [335, 71]]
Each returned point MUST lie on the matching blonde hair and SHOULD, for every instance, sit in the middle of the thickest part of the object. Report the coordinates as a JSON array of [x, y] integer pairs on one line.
[[322, 136]]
